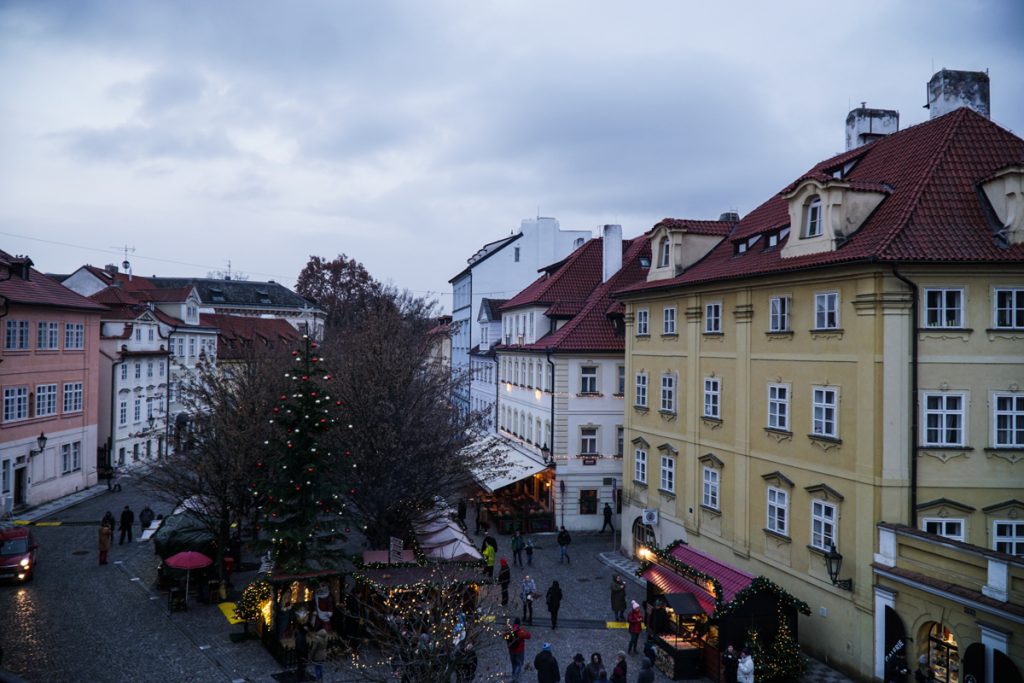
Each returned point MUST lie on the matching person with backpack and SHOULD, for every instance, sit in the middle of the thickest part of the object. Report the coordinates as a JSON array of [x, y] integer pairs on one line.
[[515, 639], [564, 539]]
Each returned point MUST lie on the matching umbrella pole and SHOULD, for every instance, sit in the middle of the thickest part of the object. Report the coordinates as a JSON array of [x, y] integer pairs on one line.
[[188, 573]]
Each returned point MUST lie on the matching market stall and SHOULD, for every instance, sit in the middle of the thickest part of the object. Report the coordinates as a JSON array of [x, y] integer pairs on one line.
[[698, 605], [515, 496]]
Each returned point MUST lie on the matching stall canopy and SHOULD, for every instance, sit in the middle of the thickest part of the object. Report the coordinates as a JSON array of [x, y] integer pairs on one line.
[[731, 580], [518, 464], [684, 604]]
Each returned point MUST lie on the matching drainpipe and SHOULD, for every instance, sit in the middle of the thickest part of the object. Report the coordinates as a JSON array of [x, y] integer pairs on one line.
[[551, 435], [914, 402], [113, 416]]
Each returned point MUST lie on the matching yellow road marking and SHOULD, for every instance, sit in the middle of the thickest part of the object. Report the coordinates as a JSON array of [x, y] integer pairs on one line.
[[22, 522], [48, 523], [228, 609], [616, 624]]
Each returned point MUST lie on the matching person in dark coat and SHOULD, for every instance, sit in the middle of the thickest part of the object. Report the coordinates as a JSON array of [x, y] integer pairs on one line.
[[504, 578], [619, 672], [462, 511], [554, 600], [465, 662], [730, 663], [646, 672], [146, 517], [127, 520], [574, 672], [594, 670], [649, 650], [619, 598], [546, 665], [517, 549], [607, 518], [108, 520], [564, 539], [301, 653]]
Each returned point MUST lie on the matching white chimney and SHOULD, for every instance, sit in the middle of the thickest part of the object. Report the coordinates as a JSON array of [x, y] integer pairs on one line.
[[864, 125], [612, 245], [949, 90]]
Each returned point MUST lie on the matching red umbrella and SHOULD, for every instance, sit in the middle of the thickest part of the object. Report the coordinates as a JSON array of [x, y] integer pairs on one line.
[[188, 560]]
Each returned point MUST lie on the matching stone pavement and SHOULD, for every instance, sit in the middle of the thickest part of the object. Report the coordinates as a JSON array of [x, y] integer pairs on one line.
[[80, 621]]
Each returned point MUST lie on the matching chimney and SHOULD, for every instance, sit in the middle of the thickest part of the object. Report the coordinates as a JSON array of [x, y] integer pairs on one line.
[[612, 245], [864, 125], [730, 217], [949, 90], [110, 268]]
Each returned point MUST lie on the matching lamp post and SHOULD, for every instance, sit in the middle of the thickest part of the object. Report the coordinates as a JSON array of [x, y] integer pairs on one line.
[[834, 563], [41, 445]]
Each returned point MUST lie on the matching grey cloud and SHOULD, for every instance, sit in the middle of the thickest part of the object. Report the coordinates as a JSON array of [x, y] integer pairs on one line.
[[133, 142]]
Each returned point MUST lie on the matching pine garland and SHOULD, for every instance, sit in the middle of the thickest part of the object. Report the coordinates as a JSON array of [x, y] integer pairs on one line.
[[255, 594]]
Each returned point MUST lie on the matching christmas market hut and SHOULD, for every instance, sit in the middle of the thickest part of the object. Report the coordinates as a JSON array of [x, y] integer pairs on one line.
[[697, 605], [280, 604]]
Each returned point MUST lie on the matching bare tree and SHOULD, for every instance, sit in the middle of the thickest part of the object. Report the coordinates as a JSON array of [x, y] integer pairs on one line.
[[342, 287]]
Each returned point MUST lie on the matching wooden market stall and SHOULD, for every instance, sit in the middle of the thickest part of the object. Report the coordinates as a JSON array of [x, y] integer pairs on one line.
[[698, 605]]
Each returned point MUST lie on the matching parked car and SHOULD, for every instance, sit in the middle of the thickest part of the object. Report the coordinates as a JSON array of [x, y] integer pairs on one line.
[[17, 553]]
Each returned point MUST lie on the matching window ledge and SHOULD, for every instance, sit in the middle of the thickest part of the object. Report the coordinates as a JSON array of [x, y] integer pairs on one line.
[[997, 330], [642, 409], [589, 394], [825, 439], [780, 432], [672, 335], [711, 510], [1004, 449], [713, 334], [780, 334], [938, 328], [777, 535], [618, 395], [712, 420], [827, 330], [667, 494], [926, 447], [640, 484], [643, 335], [668, 413], [816, 550]]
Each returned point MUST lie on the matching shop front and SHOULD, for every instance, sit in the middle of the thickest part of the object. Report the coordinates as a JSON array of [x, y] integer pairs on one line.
[[697, 606], [517, 496]]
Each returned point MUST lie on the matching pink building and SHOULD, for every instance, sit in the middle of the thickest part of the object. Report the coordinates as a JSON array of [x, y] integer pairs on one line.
[[49, 379]]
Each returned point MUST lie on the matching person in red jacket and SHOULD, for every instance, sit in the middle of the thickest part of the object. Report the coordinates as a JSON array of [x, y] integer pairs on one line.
[[635, 618], [516, 638]]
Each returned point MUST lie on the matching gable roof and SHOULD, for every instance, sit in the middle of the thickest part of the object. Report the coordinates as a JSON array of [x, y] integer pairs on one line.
[[575, 291], [124, 280], [215, 292], [932, 210], [37, 289], [697, 227], [236, 333], [485, 252], [492, 307]]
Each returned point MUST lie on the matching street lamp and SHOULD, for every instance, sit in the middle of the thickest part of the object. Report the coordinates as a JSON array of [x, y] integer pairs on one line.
[[41, 443], [834, 563]]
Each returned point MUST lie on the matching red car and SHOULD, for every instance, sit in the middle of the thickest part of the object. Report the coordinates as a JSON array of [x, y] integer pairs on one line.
[[17, 553]]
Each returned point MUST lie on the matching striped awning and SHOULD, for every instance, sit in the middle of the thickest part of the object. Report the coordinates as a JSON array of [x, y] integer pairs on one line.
[[669, 582]]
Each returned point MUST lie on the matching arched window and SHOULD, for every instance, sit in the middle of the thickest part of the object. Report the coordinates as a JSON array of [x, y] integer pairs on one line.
[[812, 221], [664, 251]]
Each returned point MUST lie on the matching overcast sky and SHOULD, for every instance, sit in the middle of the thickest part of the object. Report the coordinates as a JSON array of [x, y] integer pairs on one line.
[[408, 134]]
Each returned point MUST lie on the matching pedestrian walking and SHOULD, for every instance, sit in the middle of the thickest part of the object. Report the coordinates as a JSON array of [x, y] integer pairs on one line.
[[146, 517], [745, 672], [127, 521], [465, 662], [574, 672], [594, 669], [646, 674], [564, 539], [106, 535], [504, 578], [488, 553], [636, 625], [546, 665], [619, 597], [490, 540], [619, 672], [529, 552], [527, 592], [730, 663], [516, 638], [517, 549], [108, 519], [554, 600], [607, 518]]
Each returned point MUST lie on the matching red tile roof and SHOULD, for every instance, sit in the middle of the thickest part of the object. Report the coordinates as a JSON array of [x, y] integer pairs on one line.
[[124, 280], [38, 289], [731, 579], [169, 295], [932, 210], [714, 228], [573, 289], [236, 333]]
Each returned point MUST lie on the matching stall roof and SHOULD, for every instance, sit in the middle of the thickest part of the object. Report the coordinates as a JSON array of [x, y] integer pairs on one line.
[[671, 583], [731, 579], [519, 465], [685, 604], [398, 575]]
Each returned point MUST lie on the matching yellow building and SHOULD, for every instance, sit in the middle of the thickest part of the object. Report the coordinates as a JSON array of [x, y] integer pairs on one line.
[[852, 354]]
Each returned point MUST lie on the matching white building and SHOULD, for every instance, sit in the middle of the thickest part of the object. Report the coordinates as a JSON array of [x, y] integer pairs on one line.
[[562, 373], [497, 271]]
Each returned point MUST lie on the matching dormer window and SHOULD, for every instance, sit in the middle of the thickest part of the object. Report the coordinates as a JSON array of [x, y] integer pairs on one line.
[[776, 237], [578, 243], [812, 222], [664, 251]]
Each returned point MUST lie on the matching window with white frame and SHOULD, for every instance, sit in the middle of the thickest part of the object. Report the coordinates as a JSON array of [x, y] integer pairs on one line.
[[944, 419], [620, 441], [778, 511], [149, 408], [15, 335], [778, 314], [1009, 308], [712, 397], [643, 318], [710, 497], [191, 347], [641, 389], [72, 397], [826, 311], [192, 313], [1008, 420], [71, 457], [172, 392], [5, 476], [1008, 536], [588, 379], [620, 385], [15, 403], [640, 465], [138, 369], [124, 372], [138, 333], [151, 333], [669, 320], [947, 528], [713, 318], [162, 367], [588, 440], [138, 410], [47, 335], [825, 404], [812, 222], [46, 399], [823, 525], [122, 414], [664, 252], [74, 336], [943, 307], [149, 368], [668, 473], [668, 393], [778, 407]]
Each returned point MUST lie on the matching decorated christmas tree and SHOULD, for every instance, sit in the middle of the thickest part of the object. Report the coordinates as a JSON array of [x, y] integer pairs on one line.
[[786, 661], [756, 653], [302, 510]]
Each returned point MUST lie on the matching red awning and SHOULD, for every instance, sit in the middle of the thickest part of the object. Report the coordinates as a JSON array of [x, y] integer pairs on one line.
[[670, 582]]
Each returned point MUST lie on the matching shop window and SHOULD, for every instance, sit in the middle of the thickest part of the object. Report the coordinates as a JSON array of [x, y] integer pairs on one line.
[[943, 655], [588, 501]]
